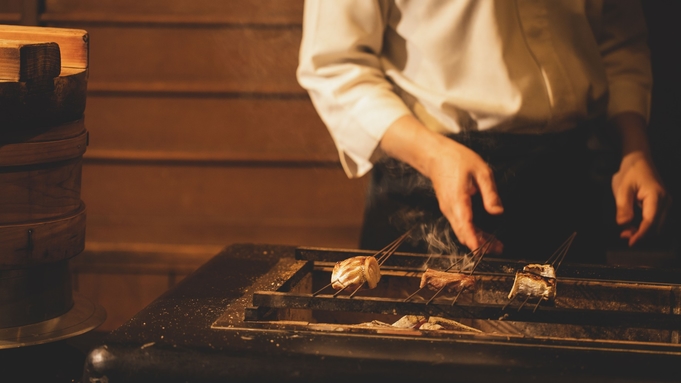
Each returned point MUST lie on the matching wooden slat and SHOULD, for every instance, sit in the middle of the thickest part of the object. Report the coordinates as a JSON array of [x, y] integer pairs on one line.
[[10, 6], [237, 194], [227, 159], [237, 128], [88, 19], [174, 11], [182, 230], [30, 12], [73, 43], [217, 205], [178, 88], [10, 17], [250, 60], [10, 11]]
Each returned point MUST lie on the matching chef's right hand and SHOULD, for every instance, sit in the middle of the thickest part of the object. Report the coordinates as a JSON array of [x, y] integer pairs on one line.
[[456, 172]]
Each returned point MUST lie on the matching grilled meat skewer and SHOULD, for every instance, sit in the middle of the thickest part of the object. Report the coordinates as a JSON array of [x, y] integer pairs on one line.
[[451, 282], [535, 281], [352, 272]]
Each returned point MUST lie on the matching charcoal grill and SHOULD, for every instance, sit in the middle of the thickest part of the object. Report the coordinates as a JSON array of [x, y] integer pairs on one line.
[[256, 312]]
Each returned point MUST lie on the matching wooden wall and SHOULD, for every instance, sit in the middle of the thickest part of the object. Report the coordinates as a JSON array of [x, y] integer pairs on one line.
[[200, 137]]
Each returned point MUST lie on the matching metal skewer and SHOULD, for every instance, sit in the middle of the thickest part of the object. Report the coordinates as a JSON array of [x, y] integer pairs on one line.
[[485, 247], [436, 294], [421, 288], [412, 294], [561, 252], [323, 288], [456, 297], [357, 289], [389, 250], [555, 261], [525, 301], [482, 249], [392, 247], [508, 303], [339, 291]]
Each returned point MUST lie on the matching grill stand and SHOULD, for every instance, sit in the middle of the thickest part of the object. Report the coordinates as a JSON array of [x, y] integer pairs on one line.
[[197, 332]]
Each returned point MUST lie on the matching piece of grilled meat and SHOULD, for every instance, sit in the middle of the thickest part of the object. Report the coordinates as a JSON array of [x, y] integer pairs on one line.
[[352, 272], [452, 282]]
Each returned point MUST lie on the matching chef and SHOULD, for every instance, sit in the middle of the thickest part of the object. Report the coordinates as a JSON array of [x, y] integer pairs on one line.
[[516, 123]]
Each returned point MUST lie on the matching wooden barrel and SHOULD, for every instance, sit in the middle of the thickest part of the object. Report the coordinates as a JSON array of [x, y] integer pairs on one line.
[[42, 216]]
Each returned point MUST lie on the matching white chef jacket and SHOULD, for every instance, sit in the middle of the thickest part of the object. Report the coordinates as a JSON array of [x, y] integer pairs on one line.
[[520, 66]]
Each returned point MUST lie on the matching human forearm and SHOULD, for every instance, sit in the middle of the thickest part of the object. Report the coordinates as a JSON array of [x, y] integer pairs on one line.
[[409, 141], [629, 131], [456, 173]]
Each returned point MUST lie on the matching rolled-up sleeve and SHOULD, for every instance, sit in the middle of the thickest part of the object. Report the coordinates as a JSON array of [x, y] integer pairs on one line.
[[340, 68], [624, 47]]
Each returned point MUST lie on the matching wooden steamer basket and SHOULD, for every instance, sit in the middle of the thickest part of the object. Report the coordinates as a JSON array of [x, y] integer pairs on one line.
[[42, 217]]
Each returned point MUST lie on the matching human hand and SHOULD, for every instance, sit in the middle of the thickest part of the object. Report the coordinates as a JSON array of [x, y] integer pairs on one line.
[[637, 182], [456, 172]]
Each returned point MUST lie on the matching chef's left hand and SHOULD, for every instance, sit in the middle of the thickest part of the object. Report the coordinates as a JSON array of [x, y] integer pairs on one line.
[[637, 183]]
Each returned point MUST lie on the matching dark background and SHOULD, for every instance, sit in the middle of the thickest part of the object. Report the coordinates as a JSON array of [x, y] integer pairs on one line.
[[665, 121]]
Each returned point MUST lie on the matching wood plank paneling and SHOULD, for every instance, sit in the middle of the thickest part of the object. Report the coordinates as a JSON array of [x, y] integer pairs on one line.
[[247, 60], [174, 204], [236, 11], [181, 231], [10, 6], [244, 193], [200, 137], [10, 18], [10, 11], [255, 127]]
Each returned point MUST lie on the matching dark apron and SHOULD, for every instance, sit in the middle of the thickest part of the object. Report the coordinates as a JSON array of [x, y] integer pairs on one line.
[[551, 185]]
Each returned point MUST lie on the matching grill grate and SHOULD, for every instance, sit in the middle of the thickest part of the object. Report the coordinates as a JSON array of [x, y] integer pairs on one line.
[[638, 307]]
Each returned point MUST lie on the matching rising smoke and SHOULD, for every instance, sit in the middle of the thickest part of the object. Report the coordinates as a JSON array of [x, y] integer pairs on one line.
[[435, 234]]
